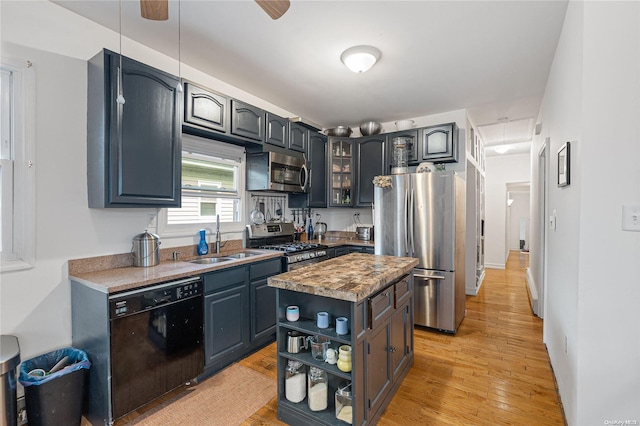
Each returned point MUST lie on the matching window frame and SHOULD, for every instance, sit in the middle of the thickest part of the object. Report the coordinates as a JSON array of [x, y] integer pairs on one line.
[[224, 152], [23, 222]]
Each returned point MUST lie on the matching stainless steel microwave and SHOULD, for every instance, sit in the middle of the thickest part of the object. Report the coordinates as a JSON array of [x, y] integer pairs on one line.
[[275, 171]]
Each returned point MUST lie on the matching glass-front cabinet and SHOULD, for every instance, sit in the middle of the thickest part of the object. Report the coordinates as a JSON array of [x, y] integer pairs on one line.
[[341, 172]]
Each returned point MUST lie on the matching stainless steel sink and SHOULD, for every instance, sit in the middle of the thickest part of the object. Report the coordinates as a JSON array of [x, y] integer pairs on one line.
[[244, 254], [211, 260]]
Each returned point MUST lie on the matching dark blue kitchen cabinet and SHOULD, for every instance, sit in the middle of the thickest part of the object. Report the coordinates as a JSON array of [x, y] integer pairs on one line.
[[239, 312], [277, 131], [439, 144], [133, 148], [298, 137], [411, 143], [263, 300], [317, 162], [247, 121], [204, 109], [226, 325], [370, 159]]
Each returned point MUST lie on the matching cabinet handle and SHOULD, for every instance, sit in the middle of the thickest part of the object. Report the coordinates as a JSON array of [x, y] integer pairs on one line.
[[392, 348]]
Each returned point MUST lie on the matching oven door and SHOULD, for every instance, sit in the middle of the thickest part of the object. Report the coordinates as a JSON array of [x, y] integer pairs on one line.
[[298, 265]]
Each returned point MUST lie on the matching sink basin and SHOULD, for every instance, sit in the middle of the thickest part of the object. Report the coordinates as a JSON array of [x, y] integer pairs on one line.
[[244, 254], [211, 260]]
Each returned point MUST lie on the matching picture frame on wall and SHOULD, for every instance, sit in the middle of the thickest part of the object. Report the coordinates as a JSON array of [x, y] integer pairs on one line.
[[564, 165]]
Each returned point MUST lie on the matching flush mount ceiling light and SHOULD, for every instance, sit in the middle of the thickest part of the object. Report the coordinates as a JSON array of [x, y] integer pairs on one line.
[[360, 58], [501, 149]]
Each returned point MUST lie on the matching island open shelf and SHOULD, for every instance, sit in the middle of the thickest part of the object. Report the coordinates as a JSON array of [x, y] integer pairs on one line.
[[375, 294]]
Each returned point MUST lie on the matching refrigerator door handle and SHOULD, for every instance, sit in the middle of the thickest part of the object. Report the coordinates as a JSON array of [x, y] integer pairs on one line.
[[411, 217], [429, 277], [406, 223]]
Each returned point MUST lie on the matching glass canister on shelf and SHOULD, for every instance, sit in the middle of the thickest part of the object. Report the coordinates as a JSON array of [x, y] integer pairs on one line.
[[318, 389], [295, 385], [399, 162], [344, 358], [344, 404]]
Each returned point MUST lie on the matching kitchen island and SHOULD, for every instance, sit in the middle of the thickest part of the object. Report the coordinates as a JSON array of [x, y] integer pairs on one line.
[[375, 294]]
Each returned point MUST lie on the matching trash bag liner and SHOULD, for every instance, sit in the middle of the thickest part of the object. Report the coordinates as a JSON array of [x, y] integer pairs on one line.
[[77, 360]]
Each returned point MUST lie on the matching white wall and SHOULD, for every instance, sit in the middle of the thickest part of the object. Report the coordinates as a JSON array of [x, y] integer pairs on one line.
[[35, 303], [591, 327], [500, 170]]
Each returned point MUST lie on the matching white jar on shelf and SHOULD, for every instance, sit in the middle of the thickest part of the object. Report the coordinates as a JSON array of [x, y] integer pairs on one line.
[[295, 385], [317, 389]]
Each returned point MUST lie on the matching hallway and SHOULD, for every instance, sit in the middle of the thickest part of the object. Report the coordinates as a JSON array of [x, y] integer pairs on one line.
[[494, 371]]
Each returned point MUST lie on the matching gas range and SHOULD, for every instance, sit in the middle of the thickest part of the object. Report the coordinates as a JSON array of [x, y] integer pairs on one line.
[[280, 236]]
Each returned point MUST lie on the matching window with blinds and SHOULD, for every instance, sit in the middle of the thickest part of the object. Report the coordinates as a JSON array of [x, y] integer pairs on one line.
[[212, 185]]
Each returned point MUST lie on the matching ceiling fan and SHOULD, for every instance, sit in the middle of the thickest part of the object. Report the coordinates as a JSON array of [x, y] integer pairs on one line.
[[158, 10]]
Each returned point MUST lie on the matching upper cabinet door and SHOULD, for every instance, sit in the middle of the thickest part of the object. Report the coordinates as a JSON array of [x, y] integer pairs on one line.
[[370, 162], [277, 130], [440, 143], [317, 170], [205, 108], [247, 121], [298, 138], [134, 148]]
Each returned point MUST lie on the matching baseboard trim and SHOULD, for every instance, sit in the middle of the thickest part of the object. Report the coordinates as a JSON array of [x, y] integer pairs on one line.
[[532, 291], [495, 265]]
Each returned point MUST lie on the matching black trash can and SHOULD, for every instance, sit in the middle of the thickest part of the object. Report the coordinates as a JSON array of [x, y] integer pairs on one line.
[[54, 386], [9, 360]]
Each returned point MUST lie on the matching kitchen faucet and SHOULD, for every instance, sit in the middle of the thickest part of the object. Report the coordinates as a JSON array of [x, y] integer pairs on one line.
[[217, 233]]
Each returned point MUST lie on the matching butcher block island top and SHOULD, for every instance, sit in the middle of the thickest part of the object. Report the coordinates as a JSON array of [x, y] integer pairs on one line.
[[352, 277]]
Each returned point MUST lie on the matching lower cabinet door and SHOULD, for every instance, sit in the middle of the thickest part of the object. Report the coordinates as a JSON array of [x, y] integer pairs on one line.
[[263, 309], [378, 371], [399, 347], [226, 324]]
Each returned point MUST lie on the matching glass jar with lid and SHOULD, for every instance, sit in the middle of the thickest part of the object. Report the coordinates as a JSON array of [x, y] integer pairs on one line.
[[399, 160], [344, 404], [317, 389], [295, 385]]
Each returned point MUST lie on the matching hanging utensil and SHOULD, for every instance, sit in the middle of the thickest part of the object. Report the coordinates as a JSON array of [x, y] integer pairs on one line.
[[256, 216], [278, 209]]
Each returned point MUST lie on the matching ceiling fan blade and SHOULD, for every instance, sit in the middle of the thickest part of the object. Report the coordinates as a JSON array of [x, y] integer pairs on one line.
[[274, 8], [156, 10]]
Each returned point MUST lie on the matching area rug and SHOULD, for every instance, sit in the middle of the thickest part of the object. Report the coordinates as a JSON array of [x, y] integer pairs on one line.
[[228, 398]]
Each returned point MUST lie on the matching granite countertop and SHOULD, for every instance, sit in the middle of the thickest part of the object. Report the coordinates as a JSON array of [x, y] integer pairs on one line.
[[112, 274], [352, 277], [113, 280]]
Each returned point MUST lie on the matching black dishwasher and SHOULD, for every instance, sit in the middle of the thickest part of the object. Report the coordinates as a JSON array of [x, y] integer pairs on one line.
[[156, 342]]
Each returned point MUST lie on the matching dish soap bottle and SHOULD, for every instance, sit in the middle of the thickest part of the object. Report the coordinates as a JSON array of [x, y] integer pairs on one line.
[[310, 230], [203, 248]]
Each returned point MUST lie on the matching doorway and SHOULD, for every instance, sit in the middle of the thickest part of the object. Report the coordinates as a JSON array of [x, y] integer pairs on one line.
[[540, 273], [517, 232]]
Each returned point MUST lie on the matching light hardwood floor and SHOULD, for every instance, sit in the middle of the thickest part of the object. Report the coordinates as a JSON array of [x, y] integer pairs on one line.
[[494, 371]]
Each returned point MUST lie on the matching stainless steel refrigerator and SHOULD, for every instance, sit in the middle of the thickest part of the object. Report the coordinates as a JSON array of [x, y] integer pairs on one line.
[[422, 215]]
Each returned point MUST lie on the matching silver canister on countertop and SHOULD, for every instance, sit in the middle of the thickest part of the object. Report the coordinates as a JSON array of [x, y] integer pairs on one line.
[[146, 249], [364, 233]]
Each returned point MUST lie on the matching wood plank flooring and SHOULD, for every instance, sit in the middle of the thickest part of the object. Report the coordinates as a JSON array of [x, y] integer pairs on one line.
[[494, 371]]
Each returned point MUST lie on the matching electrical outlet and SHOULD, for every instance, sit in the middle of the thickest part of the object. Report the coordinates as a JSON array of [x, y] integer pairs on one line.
[[22, 412], [152, 223]]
